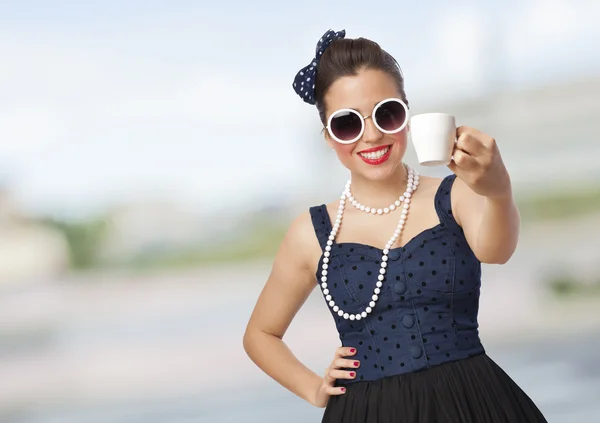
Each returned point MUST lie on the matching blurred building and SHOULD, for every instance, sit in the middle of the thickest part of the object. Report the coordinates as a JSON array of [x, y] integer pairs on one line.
[[152, 226], [548, 134], [28, 250]]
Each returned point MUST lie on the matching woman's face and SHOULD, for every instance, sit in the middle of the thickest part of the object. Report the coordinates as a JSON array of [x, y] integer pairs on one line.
[[361, 93]]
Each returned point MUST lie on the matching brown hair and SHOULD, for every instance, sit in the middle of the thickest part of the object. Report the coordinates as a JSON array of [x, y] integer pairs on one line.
[[347, 57]]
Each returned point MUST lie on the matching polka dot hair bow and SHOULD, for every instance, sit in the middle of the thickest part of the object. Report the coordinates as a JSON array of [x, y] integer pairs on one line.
[[304, 82]]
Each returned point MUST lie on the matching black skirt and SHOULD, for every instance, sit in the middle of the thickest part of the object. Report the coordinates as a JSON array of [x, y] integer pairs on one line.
[[474, 390]]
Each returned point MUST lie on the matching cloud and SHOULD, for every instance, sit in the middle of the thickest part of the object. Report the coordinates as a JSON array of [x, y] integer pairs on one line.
[[449, 57], [30, 129], [545, 35], [466, 51], [59, 90], [64, 93], [136, 109], [460, 42], [81, 125]]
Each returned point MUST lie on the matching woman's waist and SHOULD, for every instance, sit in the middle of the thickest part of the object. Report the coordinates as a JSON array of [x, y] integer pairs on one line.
[[377, 362]]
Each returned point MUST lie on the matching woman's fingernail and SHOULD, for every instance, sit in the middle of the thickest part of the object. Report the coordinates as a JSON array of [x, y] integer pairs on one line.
[[352, 374], [343, 389], [352, 350], [356, 363]]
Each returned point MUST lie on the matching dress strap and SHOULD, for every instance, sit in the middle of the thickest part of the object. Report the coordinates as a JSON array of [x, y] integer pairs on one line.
[[443, 202], [321, 223]]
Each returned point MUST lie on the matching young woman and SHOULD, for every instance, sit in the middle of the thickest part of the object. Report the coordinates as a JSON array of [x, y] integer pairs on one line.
[[397, 259]]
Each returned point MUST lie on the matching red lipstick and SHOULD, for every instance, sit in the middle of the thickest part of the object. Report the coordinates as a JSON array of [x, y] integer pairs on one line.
[[378, 161]]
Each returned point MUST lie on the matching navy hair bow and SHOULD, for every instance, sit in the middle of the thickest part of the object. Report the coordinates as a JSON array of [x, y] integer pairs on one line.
[[304, 82]]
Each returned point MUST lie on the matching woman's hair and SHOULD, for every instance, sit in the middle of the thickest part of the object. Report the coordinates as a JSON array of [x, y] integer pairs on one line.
[[347, 57]]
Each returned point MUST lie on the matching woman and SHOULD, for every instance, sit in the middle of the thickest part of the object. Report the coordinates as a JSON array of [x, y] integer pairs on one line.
[[401, 274]]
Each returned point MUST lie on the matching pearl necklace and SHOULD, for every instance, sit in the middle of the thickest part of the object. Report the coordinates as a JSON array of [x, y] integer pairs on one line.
[[411, 186], [374, 210]]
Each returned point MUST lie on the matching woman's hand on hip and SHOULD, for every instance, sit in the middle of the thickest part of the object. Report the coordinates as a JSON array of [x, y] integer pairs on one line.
[[337, 370]]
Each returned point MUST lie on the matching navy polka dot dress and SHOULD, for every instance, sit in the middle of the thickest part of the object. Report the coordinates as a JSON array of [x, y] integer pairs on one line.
[[421, 359]]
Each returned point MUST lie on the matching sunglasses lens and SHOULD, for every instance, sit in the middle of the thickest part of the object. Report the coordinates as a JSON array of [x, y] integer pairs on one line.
[[390, 116], [346, 125]]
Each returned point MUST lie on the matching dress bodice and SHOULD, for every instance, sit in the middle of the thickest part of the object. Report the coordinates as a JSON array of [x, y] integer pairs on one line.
[[427, 310]]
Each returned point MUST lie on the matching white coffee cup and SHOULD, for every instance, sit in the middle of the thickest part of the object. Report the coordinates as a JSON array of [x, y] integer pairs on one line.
[[433, 135]]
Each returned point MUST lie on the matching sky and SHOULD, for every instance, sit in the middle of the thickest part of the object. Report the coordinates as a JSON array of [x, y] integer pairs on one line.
[[116, 100]]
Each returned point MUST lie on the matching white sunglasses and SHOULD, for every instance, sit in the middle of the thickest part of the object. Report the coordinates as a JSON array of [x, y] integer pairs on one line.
[[346, 126]]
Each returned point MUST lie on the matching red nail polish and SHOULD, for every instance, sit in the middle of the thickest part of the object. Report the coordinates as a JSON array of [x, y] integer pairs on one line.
[[352, 350], [352, 374], [356, 363], [343, 389]]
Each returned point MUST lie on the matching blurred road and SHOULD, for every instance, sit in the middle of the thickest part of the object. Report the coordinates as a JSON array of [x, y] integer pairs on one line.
[[562, 377], [167, 347], [170, 351]]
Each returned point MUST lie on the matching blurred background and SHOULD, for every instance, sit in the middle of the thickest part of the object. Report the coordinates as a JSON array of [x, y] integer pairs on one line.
[[153, 153]]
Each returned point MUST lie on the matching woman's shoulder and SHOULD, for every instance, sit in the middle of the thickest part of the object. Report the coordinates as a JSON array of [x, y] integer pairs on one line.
[[301, 231], [300, 242], [430, 184], [303, 224], [437, 183]]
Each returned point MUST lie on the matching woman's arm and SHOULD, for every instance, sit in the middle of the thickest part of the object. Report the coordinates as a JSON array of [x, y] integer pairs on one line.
[[482, 197], [290, 283], [491, 224]]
